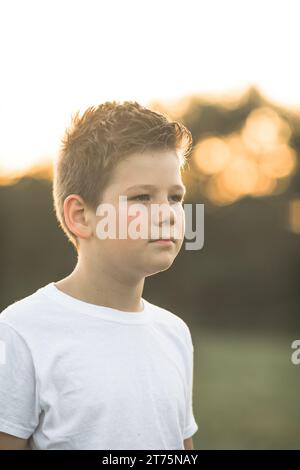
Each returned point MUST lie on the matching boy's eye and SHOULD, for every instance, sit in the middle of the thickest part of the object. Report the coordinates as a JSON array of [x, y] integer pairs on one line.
[[176, 197], [140, 196]]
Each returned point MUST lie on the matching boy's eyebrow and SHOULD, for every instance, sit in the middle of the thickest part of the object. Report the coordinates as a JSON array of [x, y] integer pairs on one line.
[[152, 186]]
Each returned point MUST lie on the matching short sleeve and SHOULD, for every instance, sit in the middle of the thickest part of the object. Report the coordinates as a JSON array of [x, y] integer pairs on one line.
[[190, 423], [19, 408]]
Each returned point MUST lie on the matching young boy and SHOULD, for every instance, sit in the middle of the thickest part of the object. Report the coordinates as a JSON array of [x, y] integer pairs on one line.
[[87, 362]]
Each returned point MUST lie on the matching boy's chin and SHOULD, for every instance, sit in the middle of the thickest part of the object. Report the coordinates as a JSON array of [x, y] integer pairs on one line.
[[160, 265]]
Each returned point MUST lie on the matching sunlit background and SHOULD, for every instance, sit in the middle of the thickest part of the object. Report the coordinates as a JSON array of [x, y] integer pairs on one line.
[[62, 55], [230, 71]]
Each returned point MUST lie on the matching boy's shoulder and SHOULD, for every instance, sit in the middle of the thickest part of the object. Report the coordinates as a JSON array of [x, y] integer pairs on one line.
[[21, 311], [168, 317]]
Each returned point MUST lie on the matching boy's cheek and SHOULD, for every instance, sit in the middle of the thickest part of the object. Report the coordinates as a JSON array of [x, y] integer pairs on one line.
[[137, 221], [177, 229]]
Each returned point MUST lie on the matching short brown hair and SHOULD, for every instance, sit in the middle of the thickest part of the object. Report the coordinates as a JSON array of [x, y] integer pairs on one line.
[[101, 137]]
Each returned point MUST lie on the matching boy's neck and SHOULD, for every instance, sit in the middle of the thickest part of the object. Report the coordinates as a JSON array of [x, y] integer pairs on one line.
[[105, 289]]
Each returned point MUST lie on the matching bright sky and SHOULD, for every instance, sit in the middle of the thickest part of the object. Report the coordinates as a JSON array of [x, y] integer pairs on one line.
[[58, 56]]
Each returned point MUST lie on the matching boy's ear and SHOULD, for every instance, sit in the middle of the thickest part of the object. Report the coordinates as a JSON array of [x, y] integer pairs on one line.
[[77, 216]]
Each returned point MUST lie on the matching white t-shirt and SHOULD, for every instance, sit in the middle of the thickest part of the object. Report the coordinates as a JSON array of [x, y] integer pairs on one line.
[[75, 375]]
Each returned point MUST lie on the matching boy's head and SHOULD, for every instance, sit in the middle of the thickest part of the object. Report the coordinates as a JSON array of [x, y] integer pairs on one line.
[[108, 149]]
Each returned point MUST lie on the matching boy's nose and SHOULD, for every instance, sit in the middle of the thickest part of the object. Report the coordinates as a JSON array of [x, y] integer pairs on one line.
[[165, 216]]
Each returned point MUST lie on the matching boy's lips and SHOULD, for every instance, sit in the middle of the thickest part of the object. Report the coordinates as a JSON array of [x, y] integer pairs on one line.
[[163, 240]]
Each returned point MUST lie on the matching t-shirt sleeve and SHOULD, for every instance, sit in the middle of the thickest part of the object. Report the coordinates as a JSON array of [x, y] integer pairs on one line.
[[19, 407], [190, 423]]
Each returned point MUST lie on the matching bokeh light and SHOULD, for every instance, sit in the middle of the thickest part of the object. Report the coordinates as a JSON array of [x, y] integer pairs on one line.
[[249, 162]]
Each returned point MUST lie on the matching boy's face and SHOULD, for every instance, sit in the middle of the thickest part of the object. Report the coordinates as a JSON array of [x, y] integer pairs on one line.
[[142, 256]]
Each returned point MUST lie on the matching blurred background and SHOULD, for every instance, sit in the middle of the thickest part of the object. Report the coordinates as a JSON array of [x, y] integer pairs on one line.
[[230, 72]]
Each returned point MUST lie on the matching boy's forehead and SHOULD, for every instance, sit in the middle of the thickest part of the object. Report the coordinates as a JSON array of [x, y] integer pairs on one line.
[[144, 172]]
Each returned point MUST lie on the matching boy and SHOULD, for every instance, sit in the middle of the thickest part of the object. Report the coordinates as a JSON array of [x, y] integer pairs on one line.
[[89, 363]]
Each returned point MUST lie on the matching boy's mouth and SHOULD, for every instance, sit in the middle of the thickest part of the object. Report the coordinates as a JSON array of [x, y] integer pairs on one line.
[[163, 240]]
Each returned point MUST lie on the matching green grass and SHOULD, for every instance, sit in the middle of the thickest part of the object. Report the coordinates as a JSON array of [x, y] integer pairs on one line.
[[246, 391]]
